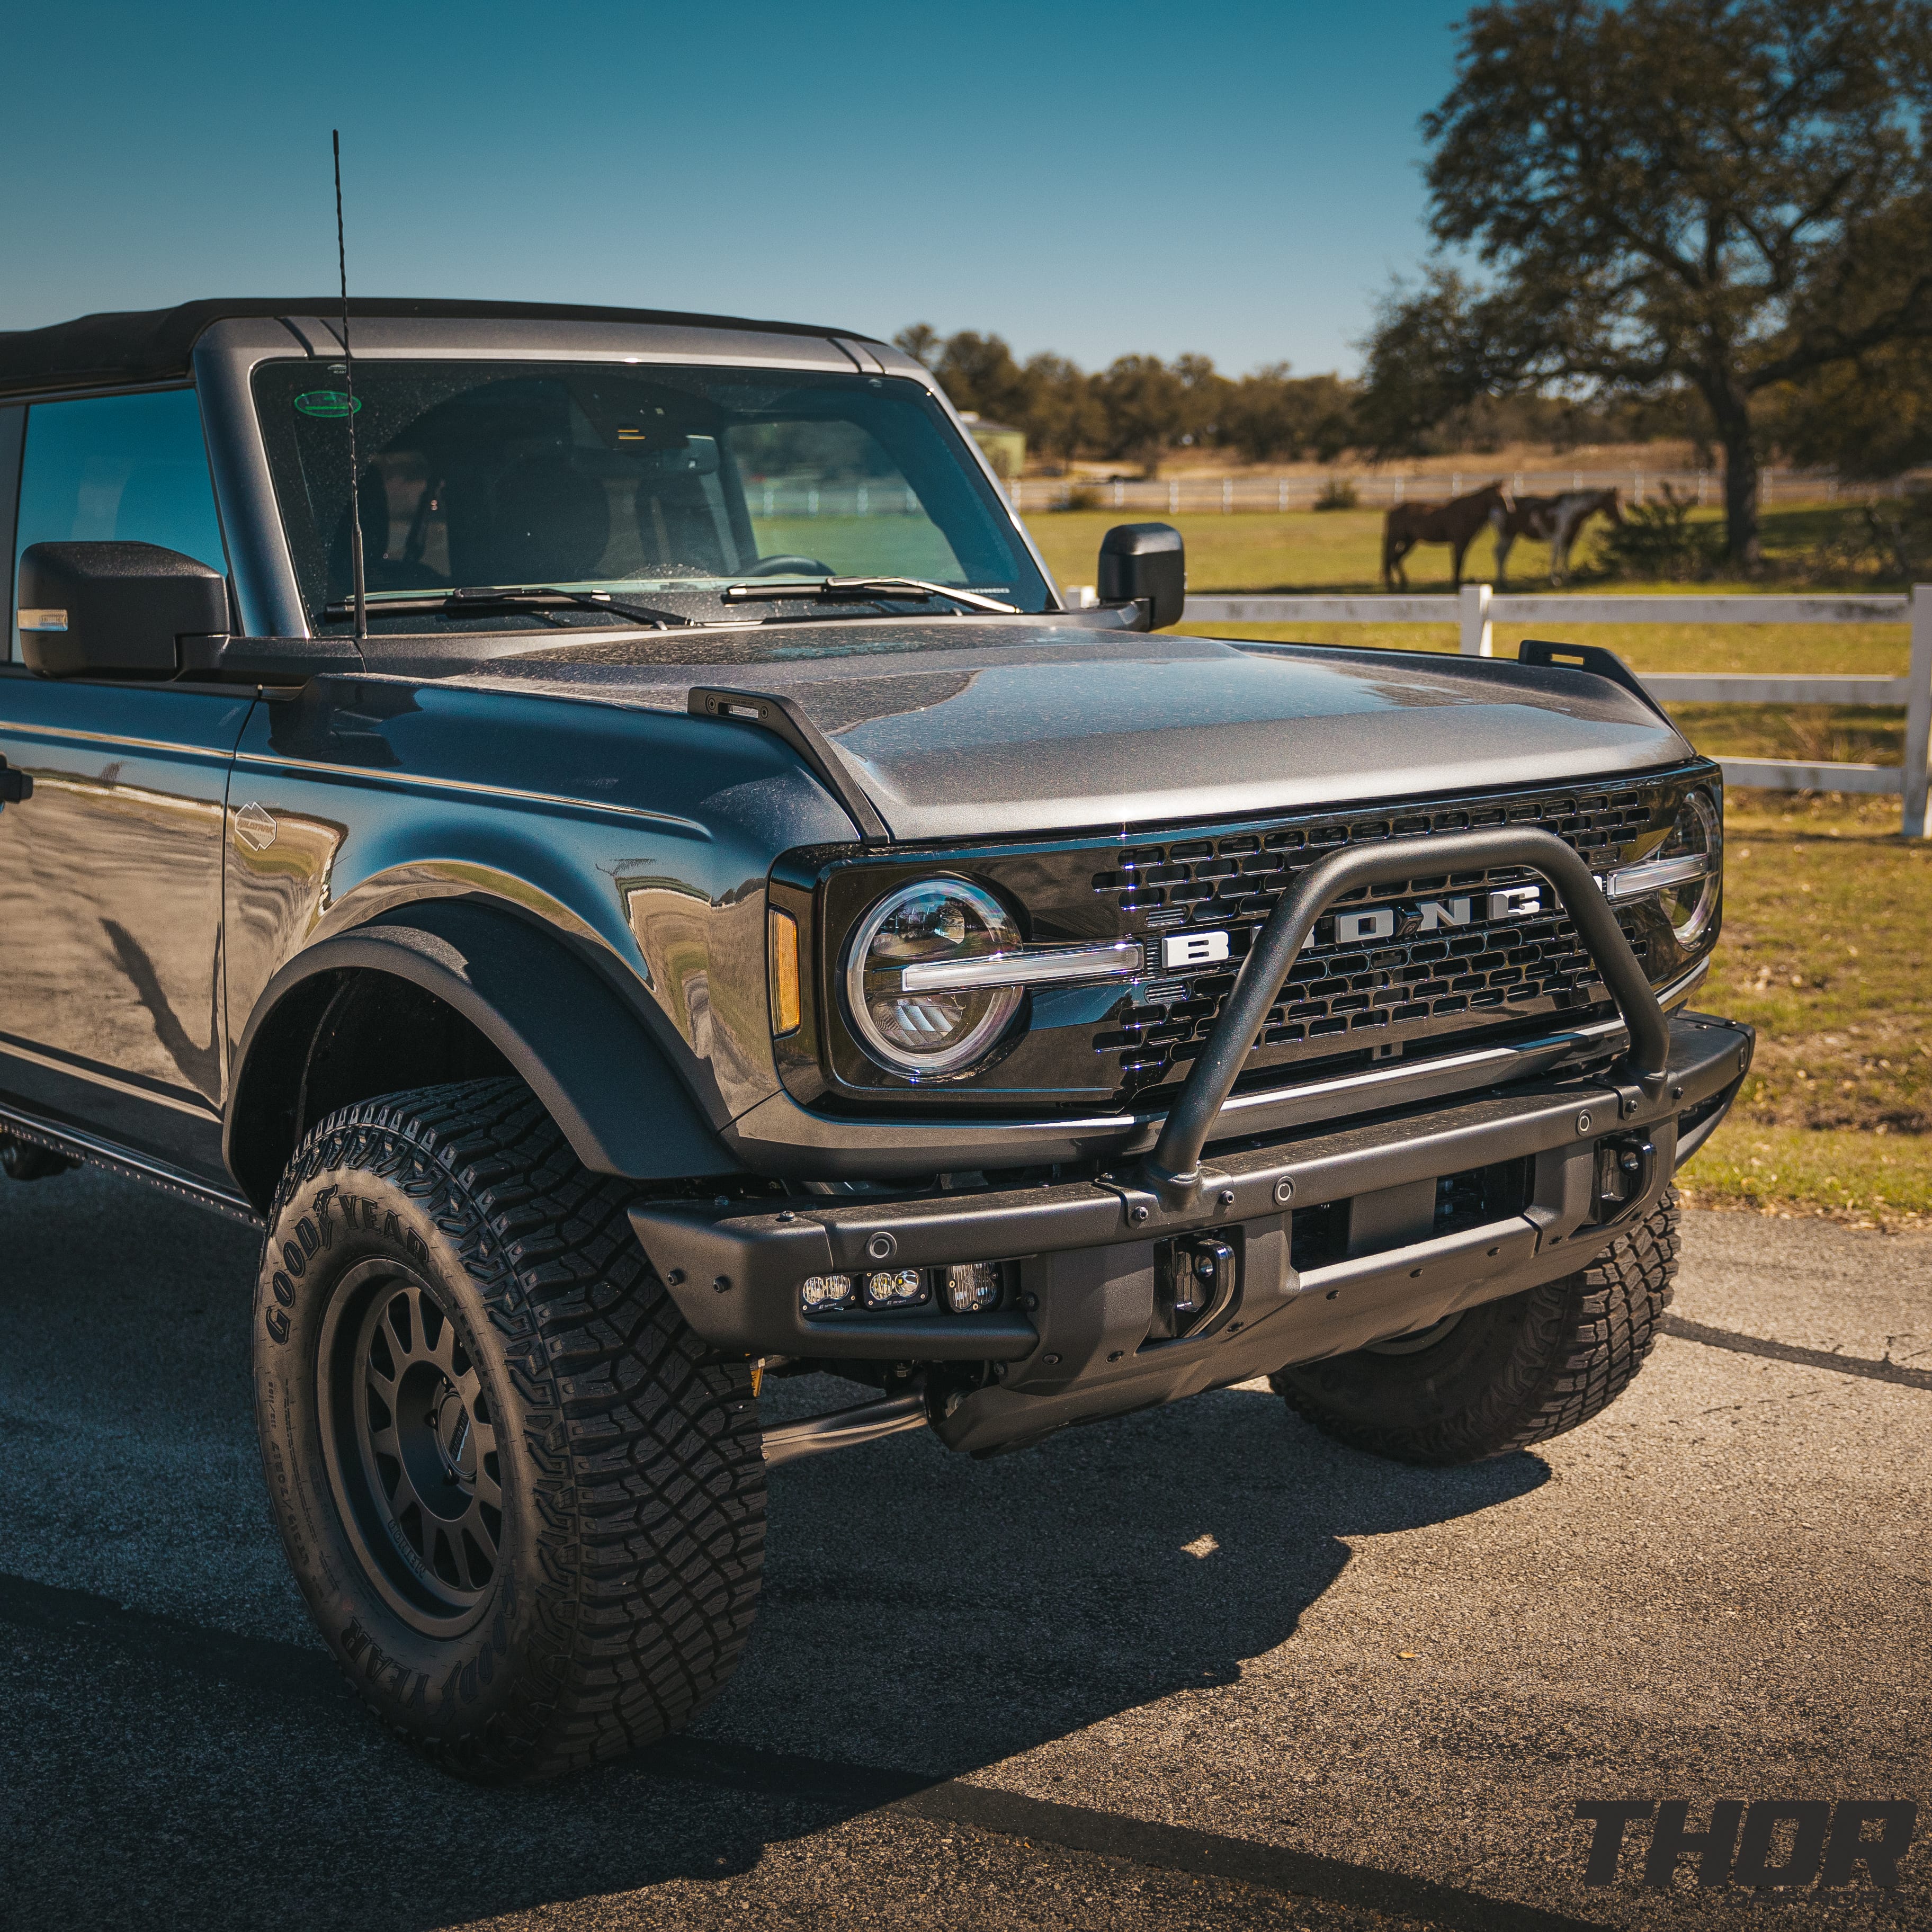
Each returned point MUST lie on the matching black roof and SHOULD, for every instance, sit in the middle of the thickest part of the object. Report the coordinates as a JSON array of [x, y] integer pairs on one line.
[[151, 345]]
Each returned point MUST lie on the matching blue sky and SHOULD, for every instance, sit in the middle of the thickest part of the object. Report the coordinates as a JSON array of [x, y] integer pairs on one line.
[[1238, 179]]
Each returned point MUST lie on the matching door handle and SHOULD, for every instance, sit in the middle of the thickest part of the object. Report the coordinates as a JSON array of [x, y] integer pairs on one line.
[[14, 786]]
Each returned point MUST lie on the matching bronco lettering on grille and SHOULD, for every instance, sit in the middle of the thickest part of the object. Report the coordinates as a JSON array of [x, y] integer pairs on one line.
[[1433, 959]]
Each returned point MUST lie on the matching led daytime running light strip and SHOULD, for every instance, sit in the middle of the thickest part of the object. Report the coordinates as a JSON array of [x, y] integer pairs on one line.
[[1633, 881], [1029, 966]]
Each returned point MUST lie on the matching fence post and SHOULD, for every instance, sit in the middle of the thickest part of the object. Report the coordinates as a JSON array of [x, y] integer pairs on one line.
[[1918, 714], [1478, 634]]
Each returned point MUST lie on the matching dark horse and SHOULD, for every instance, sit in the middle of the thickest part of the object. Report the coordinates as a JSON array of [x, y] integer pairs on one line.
[[1456, 523]]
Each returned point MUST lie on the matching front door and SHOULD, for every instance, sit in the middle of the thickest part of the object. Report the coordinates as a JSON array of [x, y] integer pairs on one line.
[[110, 873]]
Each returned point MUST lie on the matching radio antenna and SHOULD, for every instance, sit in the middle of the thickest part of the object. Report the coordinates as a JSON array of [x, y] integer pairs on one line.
[[348, 368]]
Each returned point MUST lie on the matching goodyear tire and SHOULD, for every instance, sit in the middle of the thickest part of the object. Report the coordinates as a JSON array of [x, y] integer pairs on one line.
[[1504, 1374], [525, 1505]]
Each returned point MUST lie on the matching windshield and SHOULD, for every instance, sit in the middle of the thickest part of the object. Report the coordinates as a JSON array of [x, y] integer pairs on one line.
[[670, 486]]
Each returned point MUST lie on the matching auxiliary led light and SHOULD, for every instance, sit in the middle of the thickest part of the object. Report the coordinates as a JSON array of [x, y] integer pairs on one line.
[[819, 1292], [971, 1286], [894, 1288]]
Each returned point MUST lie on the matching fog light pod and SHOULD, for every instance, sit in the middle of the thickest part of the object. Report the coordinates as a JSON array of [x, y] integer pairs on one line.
[[818, 1293], [971, 1286], [894, 1288]]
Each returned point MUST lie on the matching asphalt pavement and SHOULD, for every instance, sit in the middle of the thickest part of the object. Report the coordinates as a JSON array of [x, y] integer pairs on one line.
[[1199, 1666]]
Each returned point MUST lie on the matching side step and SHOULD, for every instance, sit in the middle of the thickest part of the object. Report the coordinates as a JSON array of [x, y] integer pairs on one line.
[[79, 1147], [843, 1429]]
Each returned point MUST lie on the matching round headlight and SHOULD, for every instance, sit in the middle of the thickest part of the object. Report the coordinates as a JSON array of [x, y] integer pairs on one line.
[[1699, 833], [913, 1031]]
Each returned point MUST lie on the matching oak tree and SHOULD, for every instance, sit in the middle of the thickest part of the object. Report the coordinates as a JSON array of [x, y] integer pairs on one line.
[[1735, 195]]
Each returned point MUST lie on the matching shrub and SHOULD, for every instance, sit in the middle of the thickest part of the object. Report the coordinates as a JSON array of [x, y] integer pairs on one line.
[[1082, 496], [1658, 542], [1899, 534], [1337, 494]]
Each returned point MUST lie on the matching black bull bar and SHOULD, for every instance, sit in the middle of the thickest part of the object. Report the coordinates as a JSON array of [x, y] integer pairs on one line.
[[1173, 1169], [734, 1267]]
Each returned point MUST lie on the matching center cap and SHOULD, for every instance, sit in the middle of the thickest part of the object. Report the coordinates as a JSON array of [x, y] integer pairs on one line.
[[455, 1441]]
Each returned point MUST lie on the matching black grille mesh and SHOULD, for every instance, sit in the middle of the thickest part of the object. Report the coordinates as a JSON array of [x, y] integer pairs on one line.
[[1340, 1000]]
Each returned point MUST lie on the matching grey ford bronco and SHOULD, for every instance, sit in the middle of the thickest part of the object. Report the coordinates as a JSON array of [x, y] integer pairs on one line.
[[597, 832]]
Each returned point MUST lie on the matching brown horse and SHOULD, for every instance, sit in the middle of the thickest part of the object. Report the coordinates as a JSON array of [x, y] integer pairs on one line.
[[1457, 522], [1552, 519]]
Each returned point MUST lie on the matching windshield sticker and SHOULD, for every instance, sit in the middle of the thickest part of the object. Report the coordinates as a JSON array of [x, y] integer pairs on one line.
[[326, 403]]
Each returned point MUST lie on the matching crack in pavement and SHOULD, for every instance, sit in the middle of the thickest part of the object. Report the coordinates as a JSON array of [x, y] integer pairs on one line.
[[1785, 1352], [283, 1669]]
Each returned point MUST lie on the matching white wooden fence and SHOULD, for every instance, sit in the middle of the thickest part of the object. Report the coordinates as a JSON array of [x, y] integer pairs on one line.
[[1478, 609], [1376, 489]]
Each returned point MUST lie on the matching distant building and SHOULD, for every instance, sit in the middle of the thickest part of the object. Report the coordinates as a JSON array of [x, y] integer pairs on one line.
[[1004, 446]]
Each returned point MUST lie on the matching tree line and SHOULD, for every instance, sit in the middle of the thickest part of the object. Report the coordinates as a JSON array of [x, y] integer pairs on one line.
[[1139, 410], [1710, 218]]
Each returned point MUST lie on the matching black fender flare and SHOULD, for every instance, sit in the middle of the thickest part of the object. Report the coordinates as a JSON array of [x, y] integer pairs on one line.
[[580, 1047]]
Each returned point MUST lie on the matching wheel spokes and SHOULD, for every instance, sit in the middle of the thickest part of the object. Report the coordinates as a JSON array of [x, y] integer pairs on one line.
[[397, 1315], [429, 1441]]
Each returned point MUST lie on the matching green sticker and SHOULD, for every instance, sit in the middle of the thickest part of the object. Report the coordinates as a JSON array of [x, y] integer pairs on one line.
[[326, 403]]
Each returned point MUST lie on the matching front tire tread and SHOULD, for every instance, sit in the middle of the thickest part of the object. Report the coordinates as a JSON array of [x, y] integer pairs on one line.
[[648, 1482]]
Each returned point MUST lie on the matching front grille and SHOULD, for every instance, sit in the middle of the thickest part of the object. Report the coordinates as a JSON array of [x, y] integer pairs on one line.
[[1340, 998], [1417, 993]]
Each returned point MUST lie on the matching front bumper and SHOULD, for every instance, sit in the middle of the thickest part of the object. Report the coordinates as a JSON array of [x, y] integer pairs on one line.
[[1078, 1344], [778, 1137]]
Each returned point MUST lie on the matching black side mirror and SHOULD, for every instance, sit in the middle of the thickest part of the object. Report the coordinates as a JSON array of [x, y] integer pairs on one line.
[[115, 610], [1144, 564]]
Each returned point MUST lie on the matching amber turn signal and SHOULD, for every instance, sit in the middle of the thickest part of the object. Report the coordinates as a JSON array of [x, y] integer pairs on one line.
[[782, 931]]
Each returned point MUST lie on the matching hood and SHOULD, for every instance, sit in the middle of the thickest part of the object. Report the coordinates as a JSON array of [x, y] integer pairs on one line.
[[959, 730]]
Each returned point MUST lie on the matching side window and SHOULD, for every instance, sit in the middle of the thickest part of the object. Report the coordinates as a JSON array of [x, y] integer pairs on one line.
[[131, 467]]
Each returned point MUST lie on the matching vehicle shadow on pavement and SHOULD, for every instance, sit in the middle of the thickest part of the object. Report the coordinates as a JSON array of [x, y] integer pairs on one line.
[[926, 1610], [923, 1613]]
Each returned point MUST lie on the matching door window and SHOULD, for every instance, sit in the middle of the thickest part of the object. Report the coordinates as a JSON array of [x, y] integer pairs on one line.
[[131, 467]]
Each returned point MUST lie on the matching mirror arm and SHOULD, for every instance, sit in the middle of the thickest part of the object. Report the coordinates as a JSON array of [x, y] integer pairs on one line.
[[284, 661]]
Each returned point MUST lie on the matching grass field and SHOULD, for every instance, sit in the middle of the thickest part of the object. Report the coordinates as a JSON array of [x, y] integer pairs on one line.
[[1341, 549], [1839, 733], [1829, 912]]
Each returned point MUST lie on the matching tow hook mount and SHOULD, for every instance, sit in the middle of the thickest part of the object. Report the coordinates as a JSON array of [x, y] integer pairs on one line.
[[1194, 1282]]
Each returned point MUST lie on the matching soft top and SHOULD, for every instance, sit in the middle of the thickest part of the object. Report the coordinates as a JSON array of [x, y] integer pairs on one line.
[[151, 345]]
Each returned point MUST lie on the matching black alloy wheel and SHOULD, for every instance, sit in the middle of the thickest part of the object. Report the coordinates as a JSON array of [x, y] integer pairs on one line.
[[411, 1445]]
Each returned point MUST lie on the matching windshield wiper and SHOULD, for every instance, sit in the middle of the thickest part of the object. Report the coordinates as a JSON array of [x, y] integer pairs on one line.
[[468, 602], [864, 590]]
